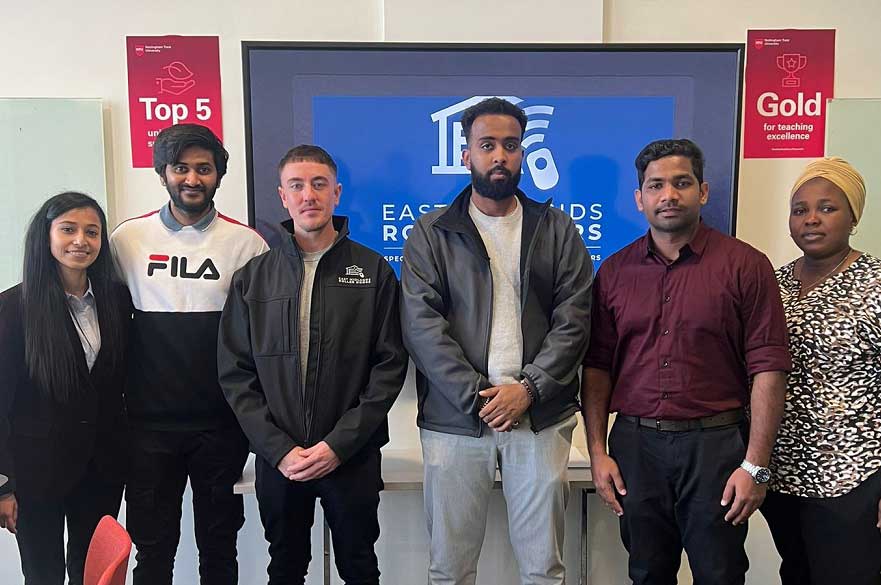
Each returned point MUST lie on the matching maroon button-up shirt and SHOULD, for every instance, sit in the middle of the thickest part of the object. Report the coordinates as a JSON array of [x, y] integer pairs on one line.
[[682, 340]]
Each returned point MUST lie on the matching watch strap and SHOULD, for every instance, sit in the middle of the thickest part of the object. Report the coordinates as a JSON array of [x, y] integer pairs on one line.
[[755, 470]]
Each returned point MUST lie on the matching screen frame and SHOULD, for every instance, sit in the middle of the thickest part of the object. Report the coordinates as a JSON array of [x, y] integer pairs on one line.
[[738, 49]]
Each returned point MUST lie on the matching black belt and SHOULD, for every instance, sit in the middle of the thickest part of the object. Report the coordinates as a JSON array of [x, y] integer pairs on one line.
[[729, 417]]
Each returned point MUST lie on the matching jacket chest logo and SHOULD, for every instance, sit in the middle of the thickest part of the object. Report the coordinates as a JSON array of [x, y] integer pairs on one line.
[[177, 267], [354, 275]]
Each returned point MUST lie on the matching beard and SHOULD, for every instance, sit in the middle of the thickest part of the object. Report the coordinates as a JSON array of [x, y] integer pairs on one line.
[[496, 190], [194, 207]]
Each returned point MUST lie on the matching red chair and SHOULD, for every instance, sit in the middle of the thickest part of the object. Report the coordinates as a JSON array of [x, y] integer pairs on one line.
[[107, 559]]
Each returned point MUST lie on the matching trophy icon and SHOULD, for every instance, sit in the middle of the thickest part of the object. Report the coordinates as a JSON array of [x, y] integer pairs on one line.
[[790, 63]]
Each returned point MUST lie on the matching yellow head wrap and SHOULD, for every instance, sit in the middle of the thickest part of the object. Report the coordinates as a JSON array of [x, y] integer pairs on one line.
[[841, 174]]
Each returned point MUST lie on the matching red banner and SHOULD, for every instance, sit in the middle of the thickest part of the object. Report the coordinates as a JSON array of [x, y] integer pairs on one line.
[[171, 80], [789, 76]]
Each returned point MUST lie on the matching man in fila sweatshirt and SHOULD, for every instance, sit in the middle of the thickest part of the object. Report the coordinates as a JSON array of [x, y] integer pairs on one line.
[[177, 263]]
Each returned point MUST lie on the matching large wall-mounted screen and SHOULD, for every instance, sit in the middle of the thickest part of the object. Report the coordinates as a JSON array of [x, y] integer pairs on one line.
[[389, 114]]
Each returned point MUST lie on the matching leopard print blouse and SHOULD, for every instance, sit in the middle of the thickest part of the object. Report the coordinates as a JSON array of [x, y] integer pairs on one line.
[[830, 438]]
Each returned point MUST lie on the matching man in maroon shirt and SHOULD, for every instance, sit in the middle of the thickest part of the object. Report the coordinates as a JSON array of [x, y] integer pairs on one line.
[[687, 331]]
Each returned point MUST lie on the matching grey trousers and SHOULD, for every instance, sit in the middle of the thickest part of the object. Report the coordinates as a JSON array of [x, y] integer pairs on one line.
[[459, 476]]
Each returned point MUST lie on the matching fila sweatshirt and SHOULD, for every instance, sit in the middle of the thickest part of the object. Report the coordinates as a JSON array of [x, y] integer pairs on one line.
[[178, 277]]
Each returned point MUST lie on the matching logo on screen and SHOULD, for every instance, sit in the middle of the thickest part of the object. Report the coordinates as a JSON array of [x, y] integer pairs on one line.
[[451, 141]]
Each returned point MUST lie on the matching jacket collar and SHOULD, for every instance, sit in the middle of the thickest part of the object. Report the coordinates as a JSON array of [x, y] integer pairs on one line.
[[289, 244], [456, 218]]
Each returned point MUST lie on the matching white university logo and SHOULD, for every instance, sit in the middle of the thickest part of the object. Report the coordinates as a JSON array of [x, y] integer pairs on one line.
[[354, 275], [355, 270], [451, 142]]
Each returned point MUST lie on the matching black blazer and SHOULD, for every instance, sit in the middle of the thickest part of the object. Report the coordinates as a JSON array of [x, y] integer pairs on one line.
[[45, 447]]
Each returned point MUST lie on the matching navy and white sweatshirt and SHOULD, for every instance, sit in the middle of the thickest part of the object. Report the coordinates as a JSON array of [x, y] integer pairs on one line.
[[178, 277]]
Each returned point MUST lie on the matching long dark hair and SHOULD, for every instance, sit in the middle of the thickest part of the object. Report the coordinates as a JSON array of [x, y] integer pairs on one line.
[[52, 362]]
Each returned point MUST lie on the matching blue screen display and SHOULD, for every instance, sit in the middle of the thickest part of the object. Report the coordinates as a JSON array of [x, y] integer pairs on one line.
[[389, 116], [577, 152]]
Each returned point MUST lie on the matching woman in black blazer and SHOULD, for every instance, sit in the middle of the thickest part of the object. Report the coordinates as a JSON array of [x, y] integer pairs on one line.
[[62, 418]]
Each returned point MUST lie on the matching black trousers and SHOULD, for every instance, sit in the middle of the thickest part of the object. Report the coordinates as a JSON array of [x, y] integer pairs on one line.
[[161, 462], [674, 486], [40, 533], [828, 541], [350, 499]]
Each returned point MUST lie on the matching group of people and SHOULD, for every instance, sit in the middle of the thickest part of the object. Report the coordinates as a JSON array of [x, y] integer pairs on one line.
[[163, 353]]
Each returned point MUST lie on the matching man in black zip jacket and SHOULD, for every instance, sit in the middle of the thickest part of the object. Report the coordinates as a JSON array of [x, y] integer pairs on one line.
[[311, 359]]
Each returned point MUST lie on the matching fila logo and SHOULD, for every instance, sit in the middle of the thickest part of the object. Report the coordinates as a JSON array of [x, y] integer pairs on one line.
[[207, 270], [354, 270]]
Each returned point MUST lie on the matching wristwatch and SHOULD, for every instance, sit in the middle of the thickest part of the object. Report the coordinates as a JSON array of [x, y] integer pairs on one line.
[[761, 475]]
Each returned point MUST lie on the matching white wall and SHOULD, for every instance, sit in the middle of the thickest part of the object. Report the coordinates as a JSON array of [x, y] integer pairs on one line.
[[62, 49], [515, 21]]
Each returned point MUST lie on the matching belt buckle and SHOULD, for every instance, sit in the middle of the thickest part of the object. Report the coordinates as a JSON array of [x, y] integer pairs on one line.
[[658, 424]]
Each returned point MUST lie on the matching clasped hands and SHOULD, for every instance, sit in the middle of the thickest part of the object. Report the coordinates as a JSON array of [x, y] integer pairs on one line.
[[302, 464], [504, 406]]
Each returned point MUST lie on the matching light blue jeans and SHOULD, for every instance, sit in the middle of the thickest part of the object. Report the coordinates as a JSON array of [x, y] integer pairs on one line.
[[459, 476]]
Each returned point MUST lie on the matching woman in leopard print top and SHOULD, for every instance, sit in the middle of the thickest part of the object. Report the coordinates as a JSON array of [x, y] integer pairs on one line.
[[823, 505]]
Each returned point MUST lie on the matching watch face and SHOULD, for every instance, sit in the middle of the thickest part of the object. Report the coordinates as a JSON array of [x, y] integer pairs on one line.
[[763, 475]]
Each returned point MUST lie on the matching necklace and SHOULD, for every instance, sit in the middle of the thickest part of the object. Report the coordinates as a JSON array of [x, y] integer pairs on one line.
[[805, 289]]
